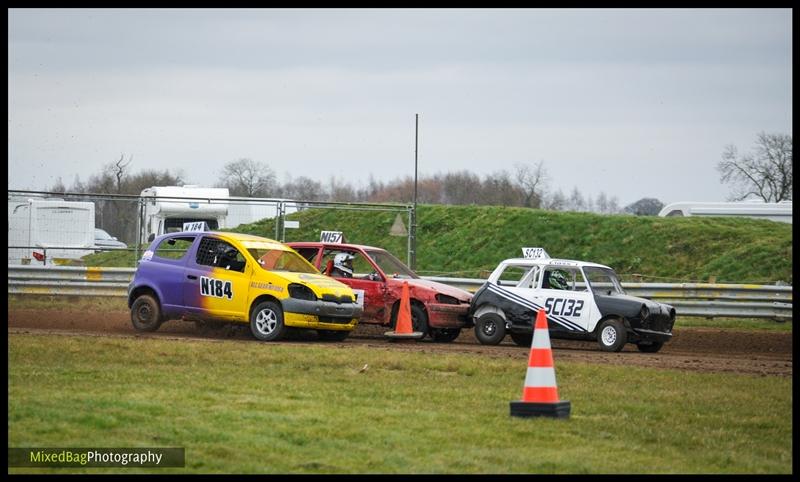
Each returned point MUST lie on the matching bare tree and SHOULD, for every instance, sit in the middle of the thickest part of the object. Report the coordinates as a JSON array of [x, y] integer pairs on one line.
[[602, 202], [613, 205], [248, 178], [647, 206], [532, 180], [556, 202], [765, 173], [118, 171], [303, 189], [575, 201]]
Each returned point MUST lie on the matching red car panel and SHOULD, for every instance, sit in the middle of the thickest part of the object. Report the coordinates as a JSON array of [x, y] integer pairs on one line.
[[445, 306]]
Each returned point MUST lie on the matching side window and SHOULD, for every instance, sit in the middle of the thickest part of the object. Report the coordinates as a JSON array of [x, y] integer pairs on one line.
[[531, 279], [174, 248], [310, 254], [513, 275], [219, 254], [569, 279]]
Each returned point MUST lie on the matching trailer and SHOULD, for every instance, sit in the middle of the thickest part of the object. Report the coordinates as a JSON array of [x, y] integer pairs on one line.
[[45, 231]]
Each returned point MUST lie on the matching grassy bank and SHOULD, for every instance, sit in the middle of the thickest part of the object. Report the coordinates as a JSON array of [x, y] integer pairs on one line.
[[301, 408], [469, 241]]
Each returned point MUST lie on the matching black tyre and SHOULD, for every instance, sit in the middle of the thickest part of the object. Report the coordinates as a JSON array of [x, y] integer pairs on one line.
[[445, 335], [332, 335], [650, 347], [611, 335], [266, 321], [146, 313], [522, 339], [490, 329], [419, 320]]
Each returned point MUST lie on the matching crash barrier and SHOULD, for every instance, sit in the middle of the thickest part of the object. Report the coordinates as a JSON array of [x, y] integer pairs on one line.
[[708, 300]]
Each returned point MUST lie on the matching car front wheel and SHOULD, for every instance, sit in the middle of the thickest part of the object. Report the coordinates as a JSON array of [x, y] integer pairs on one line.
[[266, 321], [611, 335], [490, 329]]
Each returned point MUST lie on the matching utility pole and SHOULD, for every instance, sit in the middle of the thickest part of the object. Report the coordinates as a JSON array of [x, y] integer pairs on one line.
[[412, 232]]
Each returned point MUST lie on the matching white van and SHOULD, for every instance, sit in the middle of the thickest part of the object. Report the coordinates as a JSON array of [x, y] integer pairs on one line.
[[49, 231]]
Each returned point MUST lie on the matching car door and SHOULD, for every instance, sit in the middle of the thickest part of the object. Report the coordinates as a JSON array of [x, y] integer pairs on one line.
[[367, 282], [568, 308], [216, 285], [165, 268]]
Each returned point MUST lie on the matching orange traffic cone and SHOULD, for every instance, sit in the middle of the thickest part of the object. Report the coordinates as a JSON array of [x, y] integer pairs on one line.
[[540, 394], [402, 329]]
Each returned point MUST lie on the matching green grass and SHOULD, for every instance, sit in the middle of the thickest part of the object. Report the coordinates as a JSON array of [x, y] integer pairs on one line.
[[307, 408], [469, 241]]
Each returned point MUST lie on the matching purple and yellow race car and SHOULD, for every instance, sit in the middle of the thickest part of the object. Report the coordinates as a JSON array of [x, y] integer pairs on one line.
[[230, 277]]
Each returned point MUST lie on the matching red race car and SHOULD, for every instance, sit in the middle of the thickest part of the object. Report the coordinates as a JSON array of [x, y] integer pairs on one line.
[[377, 276]]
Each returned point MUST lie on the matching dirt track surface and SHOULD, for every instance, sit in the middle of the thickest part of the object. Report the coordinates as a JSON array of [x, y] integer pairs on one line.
[[694, 349]]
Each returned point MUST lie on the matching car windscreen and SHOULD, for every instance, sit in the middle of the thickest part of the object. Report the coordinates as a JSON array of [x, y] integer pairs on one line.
[[603, 281], [281, 260], [391, 266]]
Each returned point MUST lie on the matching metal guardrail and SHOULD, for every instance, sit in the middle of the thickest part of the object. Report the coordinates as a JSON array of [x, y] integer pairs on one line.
[[689, 299]]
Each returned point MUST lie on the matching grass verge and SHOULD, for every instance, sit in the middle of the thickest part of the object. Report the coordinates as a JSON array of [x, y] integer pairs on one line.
[[306, 408]]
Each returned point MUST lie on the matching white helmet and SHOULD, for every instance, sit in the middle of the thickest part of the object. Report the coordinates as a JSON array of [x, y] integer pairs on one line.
[[344, 262]]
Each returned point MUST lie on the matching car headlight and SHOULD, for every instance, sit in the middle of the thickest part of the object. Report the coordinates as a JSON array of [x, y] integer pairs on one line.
[[301, 292], [449, 300], [644, 313]]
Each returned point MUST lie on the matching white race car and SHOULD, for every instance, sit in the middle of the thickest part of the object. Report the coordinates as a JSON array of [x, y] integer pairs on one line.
[[582, 301]]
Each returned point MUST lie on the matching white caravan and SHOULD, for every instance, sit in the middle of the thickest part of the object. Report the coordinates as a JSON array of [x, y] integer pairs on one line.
[[166, 208], [781, 211]]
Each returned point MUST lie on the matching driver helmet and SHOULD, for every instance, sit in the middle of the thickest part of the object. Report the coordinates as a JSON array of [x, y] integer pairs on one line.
[[344, 262], [558, 281], [226, 251]]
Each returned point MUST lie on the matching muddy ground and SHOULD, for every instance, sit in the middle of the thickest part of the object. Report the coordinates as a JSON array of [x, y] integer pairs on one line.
[[694, 349]]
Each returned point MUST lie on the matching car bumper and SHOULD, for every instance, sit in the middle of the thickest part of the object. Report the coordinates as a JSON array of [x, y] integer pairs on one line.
[[320, 314], [442, 315]]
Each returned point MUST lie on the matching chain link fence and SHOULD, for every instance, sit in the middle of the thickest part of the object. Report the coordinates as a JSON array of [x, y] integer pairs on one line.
[[77, 229]]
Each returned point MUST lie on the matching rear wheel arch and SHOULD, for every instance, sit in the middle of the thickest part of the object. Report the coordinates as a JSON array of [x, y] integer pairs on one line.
[[143, 290], [487, 308]]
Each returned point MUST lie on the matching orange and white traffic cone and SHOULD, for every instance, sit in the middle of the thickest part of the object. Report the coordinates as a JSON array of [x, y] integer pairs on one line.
[[402, 329], [540, 394]]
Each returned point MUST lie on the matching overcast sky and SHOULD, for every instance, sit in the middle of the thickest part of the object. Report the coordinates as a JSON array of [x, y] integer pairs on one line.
[[633, 103]]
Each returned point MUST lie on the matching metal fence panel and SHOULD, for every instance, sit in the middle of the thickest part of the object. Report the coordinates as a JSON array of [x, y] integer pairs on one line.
[[706, 300]]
